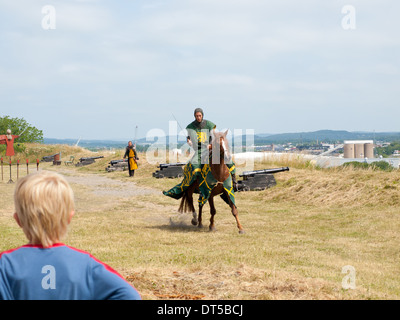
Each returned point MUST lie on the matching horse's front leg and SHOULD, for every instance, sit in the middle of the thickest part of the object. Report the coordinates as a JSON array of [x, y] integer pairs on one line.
[[200, 224], [212, 212]]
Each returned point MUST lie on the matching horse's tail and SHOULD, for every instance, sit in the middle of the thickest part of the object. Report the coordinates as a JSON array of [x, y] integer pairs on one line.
[[186, 204]]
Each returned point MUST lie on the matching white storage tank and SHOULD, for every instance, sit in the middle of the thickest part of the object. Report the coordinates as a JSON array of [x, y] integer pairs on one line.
[[358, 149]]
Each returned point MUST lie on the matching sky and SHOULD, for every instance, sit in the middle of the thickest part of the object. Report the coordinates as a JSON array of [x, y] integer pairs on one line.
[[96, 69]]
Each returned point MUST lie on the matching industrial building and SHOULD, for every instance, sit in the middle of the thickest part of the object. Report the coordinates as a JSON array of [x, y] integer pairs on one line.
[[358, 149]]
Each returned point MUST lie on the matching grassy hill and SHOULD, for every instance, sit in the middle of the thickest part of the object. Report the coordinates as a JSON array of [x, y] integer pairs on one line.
[[299, 234]]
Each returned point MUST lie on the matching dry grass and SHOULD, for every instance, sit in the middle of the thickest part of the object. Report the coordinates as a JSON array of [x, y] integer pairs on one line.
[[299, 234]]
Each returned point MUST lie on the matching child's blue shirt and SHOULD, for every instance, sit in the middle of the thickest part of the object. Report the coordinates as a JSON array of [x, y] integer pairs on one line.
[[59, 273]]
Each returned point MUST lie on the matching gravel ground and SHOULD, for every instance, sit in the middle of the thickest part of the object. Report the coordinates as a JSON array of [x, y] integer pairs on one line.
[[104, 186]]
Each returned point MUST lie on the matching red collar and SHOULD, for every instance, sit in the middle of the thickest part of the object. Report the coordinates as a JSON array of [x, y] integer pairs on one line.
[[41, 246]]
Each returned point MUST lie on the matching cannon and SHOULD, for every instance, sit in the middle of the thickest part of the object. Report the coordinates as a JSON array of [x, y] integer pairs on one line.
[[48, 158], [84, 161], [55, 158], [171, 165], [258, 179], [117, 165], [170, 170], [116, 162], [51, 158]]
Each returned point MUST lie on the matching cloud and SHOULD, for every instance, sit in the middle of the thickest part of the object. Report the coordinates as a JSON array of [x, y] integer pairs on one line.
[[83, 18], [142, 59], [224, 80]]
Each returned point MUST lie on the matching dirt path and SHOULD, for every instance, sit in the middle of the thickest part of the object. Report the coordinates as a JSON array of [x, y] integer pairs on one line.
[[98, 193], [104, 186]]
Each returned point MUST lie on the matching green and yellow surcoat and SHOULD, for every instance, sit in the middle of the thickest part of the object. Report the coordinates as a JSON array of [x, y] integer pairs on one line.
[[198, 167], [199, 134]]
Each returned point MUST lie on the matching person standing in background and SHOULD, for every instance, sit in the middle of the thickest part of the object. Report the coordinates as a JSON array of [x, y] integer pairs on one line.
[[130, 152]]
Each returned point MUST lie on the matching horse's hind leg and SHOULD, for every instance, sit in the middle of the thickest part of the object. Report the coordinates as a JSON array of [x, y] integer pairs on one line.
[[195, 221], [212, 212], [189, 201], [236, 215], [191, 206]]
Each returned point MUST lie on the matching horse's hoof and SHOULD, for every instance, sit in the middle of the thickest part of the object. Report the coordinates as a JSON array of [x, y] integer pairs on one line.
[[241, 232], [194, 222], [213, 229], [200, 225]]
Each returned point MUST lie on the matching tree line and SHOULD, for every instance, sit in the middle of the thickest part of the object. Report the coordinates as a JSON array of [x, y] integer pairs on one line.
[[18, 126]]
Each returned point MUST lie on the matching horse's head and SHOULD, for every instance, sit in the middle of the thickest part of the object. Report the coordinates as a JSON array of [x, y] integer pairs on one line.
[[220, 145]]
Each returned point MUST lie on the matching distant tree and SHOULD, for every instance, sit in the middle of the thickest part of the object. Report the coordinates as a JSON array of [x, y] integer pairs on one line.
[[18, 126]]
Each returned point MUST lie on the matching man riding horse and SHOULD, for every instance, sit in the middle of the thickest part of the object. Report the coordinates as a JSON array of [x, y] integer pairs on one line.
[[199, 138]]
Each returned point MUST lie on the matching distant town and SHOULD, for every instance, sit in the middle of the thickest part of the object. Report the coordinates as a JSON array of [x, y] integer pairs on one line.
[[381, 148], [329, 142]]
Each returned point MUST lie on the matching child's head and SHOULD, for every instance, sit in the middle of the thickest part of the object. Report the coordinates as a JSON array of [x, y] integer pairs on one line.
[[44, 205]]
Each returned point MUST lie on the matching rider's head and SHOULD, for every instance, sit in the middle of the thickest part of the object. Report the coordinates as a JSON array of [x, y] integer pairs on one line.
[[198, 114]]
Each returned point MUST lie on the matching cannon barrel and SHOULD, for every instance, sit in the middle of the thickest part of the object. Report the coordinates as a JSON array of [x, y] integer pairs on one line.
[[112, 162], [264, 171], [49, 158], [90, 158], [167, 165]]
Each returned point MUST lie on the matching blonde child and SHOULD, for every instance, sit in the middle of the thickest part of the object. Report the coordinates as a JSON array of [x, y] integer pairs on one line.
[[45, 268]]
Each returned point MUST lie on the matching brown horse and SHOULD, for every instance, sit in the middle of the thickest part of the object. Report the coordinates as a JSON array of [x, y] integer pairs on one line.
[[219, 170]]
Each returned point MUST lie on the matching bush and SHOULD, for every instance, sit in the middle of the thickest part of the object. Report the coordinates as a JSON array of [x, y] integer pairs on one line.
[[378, 165], [383, 165]]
